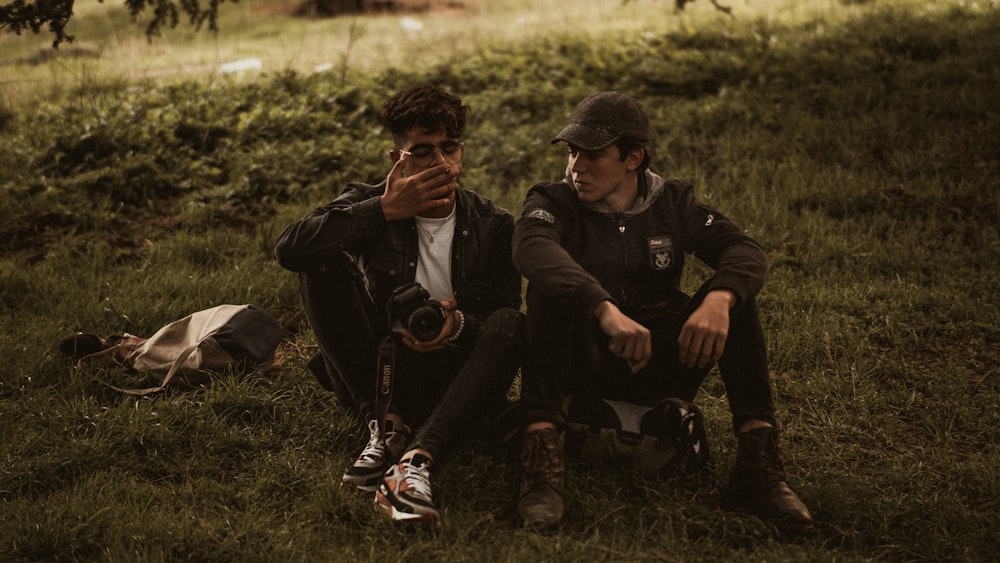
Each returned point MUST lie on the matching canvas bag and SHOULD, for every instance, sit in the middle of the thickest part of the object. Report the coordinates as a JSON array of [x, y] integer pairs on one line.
[[208, 341], [608, 431]]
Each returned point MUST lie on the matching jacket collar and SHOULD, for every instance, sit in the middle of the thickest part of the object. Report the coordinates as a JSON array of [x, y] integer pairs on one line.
[[650, 190]]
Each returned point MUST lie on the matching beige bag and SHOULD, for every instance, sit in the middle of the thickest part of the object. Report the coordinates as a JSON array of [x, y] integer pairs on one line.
[[202, 343]]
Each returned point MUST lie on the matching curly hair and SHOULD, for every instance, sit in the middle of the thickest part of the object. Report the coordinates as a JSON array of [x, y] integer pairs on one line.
[[425, 106]]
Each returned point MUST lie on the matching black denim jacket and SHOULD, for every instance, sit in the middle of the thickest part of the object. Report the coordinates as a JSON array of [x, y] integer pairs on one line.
[[483, 275]]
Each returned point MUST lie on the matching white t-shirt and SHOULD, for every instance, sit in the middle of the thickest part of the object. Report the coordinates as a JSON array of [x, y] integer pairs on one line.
[[434, 262]]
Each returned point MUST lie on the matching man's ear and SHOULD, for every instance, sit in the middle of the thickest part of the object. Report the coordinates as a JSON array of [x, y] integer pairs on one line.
[[635, 157], [394, 155]]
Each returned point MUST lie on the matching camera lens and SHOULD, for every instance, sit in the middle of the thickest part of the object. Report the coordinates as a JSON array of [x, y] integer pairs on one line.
[[425, 322]]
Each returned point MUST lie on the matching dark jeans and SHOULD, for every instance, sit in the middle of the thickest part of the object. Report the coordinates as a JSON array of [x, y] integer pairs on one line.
[[567, 355], [442, 394]]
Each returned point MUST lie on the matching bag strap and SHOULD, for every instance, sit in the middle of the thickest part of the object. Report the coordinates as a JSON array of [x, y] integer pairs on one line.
[[116, 351], [385, 379], [166, 378]]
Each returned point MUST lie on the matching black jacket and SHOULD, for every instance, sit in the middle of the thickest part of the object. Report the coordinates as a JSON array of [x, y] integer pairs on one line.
[[581, 255], [483, 276]]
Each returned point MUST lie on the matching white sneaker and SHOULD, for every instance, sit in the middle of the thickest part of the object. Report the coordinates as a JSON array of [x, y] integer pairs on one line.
[[377, 457], [405, 491]]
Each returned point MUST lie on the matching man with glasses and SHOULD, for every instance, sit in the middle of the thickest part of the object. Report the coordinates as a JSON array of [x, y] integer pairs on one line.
[[358, 259], [603, 251]]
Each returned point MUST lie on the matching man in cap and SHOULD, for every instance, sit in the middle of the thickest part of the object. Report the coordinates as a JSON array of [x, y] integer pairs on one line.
[[609, 331]]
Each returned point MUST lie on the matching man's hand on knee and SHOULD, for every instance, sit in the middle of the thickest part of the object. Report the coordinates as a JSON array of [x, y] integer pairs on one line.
[[628, 339]]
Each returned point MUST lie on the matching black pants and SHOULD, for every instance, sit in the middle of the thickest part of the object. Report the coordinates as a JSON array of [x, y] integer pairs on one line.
[[442, 394], [567, 355]]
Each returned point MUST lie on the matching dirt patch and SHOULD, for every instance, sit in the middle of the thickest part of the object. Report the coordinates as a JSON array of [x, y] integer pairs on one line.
[[49, 54], [33, 236], [333, 8]]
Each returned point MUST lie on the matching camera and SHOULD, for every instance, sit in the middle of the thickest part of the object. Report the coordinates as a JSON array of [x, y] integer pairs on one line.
[[411, 307]]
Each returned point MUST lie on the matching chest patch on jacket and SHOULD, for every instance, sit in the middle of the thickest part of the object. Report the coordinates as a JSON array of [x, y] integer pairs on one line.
[[661, 252]]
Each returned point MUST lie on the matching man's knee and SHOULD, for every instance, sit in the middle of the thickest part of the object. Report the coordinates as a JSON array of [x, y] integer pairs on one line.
[[506, 321]]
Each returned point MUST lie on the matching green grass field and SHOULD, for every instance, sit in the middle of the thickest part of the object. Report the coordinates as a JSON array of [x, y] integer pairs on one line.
[[858, 142]]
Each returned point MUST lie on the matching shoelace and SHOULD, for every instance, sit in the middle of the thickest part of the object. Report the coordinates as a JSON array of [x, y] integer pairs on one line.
[[539, 459], [418, 478], [376, 445], [768, 462]]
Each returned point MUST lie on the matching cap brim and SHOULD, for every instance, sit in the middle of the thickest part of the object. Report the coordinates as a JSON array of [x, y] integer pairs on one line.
[[588, 138]]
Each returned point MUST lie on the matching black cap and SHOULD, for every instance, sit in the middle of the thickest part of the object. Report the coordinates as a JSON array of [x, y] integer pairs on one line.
[[602, 118]]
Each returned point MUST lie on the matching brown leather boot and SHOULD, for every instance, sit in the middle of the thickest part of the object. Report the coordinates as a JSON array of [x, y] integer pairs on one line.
[[543, 476], [759, 484]]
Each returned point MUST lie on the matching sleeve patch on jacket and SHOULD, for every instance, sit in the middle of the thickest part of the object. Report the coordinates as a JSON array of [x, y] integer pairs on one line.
[[542, 215]]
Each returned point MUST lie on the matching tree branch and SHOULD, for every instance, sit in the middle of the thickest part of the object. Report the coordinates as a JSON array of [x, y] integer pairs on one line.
[[21, 15]]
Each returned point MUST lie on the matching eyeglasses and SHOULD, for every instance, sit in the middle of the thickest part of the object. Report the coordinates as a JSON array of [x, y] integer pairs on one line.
[[423, 155]]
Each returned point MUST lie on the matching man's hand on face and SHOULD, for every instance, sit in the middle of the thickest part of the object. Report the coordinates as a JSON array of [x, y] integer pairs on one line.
[[441, 340], [703, 336], [406, 196], [629, 340]]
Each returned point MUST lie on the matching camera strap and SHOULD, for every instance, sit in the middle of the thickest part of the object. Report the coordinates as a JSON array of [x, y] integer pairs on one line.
[[384, 378]]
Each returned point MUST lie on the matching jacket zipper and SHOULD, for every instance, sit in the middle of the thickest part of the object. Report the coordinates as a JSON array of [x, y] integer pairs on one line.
[[620, 218]]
